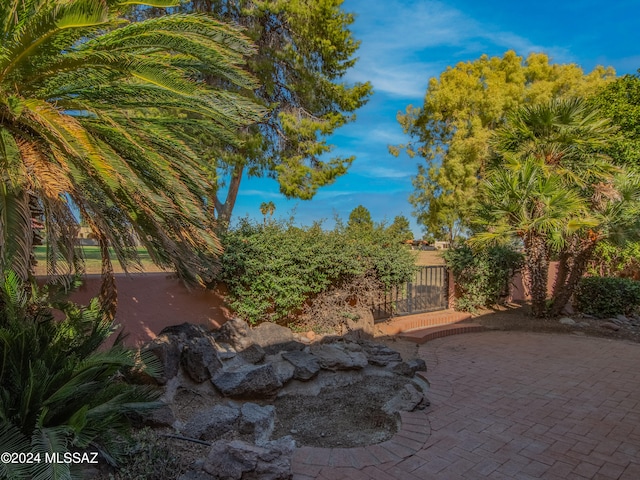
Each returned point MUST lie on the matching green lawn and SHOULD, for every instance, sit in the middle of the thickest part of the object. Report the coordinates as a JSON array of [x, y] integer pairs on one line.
[[93, 260]]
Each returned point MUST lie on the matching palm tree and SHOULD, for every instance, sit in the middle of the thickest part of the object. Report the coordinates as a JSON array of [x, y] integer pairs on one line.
[[568, 137], [267, 208], [104, 119], [528, 203]]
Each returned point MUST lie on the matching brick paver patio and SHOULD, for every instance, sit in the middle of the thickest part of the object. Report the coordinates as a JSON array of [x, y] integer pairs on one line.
[[508, 405]]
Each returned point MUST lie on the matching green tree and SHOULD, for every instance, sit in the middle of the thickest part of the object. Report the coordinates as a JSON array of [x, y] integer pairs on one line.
[[401, 228], [620, 101], [360, 220], [461, 109], [100, 115], [304, 48]]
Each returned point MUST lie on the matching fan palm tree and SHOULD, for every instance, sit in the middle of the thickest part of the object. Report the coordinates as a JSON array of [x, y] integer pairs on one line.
[[529, 203], [103, 118], [569, 138]]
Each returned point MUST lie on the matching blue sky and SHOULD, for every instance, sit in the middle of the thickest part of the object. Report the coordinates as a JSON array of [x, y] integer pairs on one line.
[[404, 43]]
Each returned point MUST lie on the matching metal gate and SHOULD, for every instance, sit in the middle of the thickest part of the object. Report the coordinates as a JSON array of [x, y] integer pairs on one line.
[[427, 292]]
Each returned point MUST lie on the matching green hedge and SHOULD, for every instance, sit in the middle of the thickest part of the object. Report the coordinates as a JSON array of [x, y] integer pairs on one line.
[[482, 276], [272, 270], [607, 296]]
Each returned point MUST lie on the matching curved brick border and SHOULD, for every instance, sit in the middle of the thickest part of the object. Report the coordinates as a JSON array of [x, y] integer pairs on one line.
[[363, 462]]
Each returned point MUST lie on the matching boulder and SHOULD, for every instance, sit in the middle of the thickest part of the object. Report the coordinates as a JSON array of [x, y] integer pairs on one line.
[[184, 331], [252, 353], [567, 321], [225, 351], [160, 417], [339, 357], [234, 332], [247, 381], [272, 337], [410, 367], [380, 355], [306, 366], [238, 460], [165, 348], [610, 326], [257, 421], [406, 400], [200, 359], [284, 370], [213, 423]]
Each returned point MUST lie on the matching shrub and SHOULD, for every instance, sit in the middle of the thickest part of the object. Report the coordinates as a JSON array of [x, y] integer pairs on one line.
[[272, 270], [482, 276], [611, 260], [607, 296], [58, 393]]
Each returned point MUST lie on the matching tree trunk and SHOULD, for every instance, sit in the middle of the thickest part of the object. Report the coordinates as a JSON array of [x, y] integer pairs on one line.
[[108, 289], [578, 267], [108, 296], [224, 210], [563, 271], [536, 268]]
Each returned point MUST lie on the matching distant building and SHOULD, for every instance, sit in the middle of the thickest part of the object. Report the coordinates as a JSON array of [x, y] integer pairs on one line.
[[441, 245], [86, 237]]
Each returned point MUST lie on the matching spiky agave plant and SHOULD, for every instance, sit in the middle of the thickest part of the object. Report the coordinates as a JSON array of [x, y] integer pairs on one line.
[[58, 393], [104, 117]]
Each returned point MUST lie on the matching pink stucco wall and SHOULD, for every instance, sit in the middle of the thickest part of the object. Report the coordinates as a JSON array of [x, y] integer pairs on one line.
[[518, 290], [151, 301]]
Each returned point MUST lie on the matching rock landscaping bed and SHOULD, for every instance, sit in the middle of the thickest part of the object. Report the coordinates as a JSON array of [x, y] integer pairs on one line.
[[516, 317], [246, 397]]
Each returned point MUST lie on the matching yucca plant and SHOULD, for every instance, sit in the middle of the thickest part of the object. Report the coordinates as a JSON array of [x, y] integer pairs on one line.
[[58, 392], [104, 118]]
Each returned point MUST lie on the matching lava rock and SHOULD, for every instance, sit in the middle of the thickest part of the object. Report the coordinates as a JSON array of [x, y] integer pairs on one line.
[[409, 368], [234, 332], [200, 359], [166, 350], [339, 357], [257, 421], [306, 366], [184, 331], [284, 370], [272, 337], [254, 353], [247, 381], [380, 355], [238, 460], [406, 400], [567, 321], [213, 423], [610, 326]]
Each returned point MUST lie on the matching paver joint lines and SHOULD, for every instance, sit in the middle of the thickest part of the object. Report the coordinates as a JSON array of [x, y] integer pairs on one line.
[[510, 405]]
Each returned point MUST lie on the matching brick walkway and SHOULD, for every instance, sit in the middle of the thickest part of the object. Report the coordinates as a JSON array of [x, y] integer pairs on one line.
[[508, 405]]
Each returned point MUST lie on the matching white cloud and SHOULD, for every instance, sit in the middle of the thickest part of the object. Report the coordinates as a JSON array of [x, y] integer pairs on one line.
[[261, 193], [386, 172], [396, 36]]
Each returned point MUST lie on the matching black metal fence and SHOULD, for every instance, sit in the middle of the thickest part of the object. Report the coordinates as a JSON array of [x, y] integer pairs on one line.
[[427, 292]]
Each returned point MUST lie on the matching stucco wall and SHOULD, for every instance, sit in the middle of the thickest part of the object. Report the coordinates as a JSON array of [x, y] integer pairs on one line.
[[519, 292], [151, 301]]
